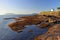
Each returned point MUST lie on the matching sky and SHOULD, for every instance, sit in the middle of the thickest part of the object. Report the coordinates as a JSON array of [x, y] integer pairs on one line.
[[27, 6]]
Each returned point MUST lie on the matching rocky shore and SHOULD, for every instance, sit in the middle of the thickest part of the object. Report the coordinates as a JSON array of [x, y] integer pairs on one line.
[[52, 22], [53, 32]]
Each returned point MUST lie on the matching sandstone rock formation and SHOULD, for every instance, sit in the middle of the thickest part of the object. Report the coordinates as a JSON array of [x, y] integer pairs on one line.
[[30, 20], [53, 33], [51, 21], [42, 21]]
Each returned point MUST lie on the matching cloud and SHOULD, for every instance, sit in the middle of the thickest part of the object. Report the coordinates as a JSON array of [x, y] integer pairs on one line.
[[4, 11]]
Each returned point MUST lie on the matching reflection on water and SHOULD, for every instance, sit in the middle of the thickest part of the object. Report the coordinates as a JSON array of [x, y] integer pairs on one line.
[[7, 34]]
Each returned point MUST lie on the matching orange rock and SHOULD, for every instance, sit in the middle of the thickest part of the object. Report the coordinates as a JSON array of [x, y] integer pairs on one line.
[[30, 20], [43, 25], [53, 33], [30, 30], [17, 26]]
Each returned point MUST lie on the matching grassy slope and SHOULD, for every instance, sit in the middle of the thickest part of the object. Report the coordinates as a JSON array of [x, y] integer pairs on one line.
[[53, 13]]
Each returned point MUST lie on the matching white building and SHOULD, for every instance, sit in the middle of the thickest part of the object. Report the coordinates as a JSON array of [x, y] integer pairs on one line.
[[52, 10]]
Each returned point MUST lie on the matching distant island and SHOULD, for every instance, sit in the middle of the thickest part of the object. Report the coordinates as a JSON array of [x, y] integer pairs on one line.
[[10, 14]]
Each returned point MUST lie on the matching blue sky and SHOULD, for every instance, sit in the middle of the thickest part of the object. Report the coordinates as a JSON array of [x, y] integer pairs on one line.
[[27, 6]]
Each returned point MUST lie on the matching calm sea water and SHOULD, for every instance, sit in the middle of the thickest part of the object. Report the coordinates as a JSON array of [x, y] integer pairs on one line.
[[7, 34]]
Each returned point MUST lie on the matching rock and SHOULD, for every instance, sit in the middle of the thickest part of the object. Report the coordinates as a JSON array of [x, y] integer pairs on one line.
[[29, 20], [43, 25], [43, 20], [16, 26], [53, 33], [30, 30]]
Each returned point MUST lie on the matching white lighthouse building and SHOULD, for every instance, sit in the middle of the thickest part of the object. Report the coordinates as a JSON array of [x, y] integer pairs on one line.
[[52, 10]]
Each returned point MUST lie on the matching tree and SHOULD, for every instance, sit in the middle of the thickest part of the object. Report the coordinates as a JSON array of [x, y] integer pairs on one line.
[[58, 8]]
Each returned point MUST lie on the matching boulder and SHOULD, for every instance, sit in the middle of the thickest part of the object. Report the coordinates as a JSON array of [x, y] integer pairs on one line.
[[53, 33]]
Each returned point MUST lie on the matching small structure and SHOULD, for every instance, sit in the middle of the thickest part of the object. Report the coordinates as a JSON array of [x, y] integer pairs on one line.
[[52, 10]]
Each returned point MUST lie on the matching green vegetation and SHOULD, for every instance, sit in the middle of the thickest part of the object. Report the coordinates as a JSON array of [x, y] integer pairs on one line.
[[58, 8]]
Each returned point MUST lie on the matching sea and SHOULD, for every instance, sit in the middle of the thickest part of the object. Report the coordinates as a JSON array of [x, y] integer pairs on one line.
[[7, 34]]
